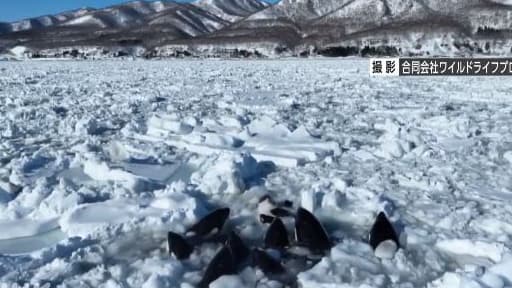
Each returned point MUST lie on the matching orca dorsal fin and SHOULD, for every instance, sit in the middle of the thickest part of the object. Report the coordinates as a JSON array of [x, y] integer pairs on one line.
[[381, 231], [221, 264], [310, 233], [239, 250], [277, 236], [178, 246]]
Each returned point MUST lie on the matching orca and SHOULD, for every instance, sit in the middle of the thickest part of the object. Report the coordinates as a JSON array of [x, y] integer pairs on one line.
[[280, 212], [310, 233], [179, 246], [268, 209], [221, 264], [239, 251], [277, 236], [266, 263], [383, 237], [265, 205], [210, 224]]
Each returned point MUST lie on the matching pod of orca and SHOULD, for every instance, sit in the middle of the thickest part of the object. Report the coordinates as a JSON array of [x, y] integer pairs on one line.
[[278, 257]]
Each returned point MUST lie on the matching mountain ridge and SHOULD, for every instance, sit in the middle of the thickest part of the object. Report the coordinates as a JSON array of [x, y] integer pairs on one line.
[[256, 28]]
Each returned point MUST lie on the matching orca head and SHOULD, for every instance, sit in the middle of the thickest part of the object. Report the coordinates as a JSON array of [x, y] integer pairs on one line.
[[265, 205], [310, 233], [266, 219], [210, 224], [281, 212], [287, 204], [277, 236], [383, 234], [221, 264], [178, 246], [268, 209], [264, 198]]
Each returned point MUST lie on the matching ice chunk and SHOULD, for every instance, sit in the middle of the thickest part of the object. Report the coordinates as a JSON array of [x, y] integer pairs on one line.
[[480, 249], [163, 125], [386, 249], [228, 281], [26, 227], [226, 173], [504, 268]]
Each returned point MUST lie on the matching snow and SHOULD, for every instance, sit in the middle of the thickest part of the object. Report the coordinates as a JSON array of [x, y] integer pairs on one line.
[[86, 19], [100, 159]]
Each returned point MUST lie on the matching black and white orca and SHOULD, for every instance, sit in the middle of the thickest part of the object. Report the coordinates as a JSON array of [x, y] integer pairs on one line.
[[291, 256], [268, 209], [227, 261], [277, 236], [268, 264], [383, 237], [211, 224], [310, 233], [179, 246], [221, 264]]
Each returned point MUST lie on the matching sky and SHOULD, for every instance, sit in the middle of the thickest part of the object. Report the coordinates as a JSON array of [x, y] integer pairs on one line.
[[12, 10]]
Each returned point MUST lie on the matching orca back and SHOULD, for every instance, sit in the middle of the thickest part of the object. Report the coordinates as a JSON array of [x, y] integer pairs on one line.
[[212, 221], [266, 263]]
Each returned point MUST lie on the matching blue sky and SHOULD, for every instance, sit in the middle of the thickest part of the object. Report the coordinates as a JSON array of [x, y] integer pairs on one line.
[[11, 10]]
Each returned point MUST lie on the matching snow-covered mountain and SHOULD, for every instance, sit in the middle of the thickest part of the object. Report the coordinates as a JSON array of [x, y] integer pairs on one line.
[[43, 21], [295, 27], [138, 23], [410, 27], [231, 10]]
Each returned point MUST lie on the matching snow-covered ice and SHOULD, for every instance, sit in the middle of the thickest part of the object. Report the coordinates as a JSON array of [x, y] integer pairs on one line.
[[98, 160]]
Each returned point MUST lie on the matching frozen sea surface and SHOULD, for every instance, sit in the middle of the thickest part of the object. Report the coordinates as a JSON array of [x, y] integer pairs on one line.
[[98, 160]]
